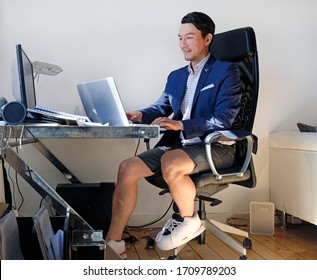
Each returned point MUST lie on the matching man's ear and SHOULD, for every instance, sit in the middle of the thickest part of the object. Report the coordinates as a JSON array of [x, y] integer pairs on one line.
[[208, 39]]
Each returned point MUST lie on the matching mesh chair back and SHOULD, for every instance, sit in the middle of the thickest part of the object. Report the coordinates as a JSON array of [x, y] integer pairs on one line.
[[239, 46]]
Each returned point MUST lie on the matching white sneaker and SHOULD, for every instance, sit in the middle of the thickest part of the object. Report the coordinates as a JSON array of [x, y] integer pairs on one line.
[[119, 248], [178, 231]]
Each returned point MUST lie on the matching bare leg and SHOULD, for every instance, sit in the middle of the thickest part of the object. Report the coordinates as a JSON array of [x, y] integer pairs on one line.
[[125, 195], [176, 165]]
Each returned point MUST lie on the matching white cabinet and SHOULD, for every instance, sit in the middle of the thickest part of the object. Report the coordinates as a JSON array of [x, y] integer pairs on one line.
[[293, 173]]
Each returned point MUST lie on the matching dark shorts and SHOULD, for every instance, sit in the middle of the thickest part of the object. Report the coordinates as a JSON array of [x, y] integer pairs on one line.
[[223, 156]]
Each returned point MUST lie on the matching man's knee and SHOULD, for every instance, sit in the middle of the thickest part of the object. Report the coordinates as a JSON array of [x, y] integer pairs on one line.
[[133, 168], [127, 166], [172, 166], [175, 163]]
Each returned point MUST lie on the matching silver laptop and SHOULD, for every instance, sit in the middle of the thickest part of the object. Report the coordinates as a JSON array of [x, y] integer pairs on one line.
[[102, 103]]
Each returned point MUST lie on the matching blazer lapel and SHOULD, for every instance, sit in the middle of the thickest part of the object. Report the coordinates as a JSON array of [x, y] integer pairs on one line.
[[203, 76], [180, 92]]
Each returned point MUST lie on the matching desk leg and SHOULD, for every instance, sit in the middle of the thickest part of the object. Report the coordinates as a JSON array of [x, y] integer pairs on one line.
[[55, 161], [39, 185], [283, 219], [49, 156]]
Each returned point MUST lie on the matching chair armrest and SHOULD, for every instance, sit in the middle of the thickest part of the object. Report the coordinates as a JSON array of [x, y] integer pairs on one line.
[[230, 135]]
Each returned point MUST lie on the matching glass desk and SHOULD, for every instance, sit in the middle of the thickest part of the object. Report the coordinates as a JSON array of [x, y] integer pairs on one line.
[[13, 136]]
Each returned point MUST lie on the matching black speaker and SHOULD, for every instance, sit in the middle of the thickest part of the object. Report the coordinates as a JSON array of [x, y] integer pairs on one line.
[[13, 113], [92, 201]]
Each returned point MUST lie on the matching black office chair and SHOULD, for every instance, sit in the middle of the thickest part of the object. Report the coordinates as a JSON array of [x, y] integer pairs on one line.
[[238, 46]]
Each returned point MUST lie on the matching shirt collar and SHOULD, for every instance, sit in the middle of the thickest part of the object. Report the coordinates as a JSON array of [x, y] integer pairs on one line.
[[199, 66]]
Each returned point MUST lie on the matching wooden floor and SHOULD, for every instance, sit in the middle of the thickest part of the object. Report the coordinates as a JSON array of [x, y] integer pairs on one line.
[[297, 242]]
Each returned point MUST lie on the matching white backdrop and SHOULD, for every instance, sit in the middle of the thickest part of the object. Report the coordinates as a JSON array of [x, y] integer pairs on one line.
[[136, 43]]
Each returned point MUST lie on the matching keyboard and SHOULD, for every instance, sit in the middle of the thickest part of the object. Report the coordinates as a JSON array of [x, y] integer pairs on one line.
[[49, 114]]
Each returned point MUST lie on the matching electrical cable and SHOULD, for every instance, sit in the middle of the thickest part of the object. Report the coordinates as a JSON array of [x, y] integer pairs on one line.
[[151, 223], [137, 147], [16, 183], [4, 144], [5, 139], [21, 136], [17, 180], [20, 193], [14, 203], [230, 222]]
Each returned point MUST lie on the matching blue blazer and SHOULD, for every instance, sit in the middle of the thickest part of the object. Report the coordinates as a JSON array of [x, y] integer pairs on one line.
[[215, 105]]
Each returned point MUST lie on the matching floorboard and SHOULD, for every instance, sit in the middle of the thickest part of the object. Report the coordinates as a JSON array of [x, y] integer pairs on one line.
[[296, 242]]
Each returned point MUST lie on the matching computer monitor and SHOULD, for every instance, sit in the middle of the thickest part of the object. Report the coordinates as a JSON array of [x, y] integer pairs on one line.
[[26, 79]]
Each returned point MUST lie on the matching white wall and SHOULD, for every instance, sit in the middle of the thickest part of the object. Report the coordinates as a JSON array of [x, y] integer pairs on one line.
[[136, 43]]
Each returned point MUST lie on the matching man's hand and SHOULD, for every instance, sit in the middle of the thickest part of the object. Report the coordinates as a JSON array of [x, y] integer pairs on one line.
[[168, 124], [135, 116]]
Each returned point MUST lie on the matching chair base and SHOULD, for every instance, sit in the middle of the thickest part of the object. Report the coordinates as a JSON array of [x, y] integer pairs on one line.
[[222, 232]]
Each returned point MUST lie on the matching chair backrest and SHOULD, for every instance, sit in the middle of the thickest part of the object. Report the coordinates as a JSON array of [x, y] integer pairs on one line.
[[239, 46]]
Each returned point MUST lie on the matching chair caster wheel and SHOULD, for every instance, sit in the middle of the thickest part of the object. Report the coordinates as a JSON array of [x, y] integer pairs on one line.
[[247, 243], [172, 257], [244, 257]]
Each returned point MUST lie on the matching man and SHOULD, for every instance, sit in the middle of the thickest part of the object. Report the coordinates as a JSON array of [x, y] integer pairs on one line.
[[203, 96]]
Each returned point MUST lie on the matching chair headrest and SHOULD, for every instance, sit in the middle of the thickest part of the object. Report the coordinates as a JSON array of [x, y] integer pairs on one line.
[[234, 45]]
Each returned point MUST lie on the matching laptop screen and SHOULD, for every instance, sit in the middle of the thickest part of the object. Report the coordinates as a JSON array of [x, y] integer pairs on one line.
[[102, 103]]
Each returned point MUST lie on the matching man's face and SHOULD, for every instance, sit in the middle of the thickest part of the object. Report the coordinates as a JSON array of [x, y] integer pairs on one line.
[[192, 43]]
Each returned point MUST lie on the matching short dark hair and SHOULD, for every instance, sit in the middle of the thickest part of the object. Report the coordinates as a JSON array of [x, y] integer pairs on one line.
[[201, 21]]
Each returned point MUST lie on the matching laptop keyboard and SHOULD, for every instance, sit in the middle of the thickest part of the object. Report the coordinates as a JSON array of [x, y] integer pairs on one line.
[[52, 113]]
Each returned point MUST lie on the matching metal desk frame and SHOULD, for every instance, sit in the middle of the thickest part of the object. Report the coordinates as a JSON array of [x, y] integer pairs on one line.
[[32, 133]]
